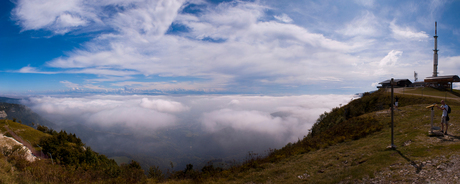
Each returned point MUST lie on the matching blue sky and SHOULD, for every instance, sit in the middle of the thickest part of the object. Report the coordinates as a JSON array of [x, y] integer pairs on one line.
[[224, 47]]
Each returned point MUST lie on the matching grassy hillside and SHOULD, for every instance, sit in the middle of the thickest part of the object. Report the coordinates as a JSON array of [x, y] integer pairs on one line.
[[72, 161], [346, 145], [428, 91], [26, 132], [352, 147]]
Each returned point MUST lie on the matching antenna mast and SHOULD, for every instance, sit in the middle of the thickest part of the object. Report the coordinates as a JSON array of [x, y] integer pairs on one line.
[[435, 55]]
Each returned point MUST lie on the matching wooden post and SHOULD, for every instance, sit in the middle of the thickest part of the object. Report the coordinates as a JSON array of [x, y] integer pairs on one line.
[[392, 113], [51, 157], [432, 115], [431, 132]]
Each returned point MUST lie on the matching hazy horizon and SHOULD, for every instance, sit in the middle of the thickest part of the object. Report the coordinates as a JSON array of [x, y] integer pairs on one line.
[[185, 129]]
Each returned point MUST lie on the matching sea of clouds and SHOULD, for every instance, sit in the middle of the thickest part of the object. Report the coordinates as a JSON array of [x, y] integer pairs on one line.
[[284, 117], [225, 125]]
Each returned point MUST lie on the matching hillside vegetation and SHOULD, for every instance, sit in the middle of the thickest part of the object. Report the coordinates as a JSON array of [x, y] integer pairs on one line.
[[71, 161], [346, 145], [349, 144]]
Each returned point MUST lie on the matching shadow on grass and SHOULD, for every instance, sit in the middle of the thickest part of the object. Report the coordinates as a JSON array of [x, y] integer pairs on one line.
[[453, 136], [447, 137], [418, 168]]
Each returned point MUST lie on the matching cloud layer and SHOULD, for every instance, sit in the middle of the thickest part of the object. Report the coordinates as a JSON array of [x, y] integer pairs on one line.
[[284, 118]]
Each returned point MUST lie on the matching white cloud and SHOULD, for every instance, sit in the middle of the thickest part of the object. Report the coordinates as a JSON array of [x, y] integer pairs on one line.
[[246, 120], [283, 18], [391, 58], [55, 15], [450, 65], [29, 69], [69, 84], [163, 105], [456, 86], [365, 25], [134, 118], [252, 49], [218, 124], [407, 33], [67, 20], [286, 118], [171, 86], [134, 113], [64, 16], [375, 84], [229, 46]]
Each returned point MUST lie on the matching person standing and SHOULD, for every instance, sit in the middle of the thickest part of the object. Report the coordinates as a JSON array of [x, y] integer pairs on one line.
[[396, 102], [444, 119], [395, 105]]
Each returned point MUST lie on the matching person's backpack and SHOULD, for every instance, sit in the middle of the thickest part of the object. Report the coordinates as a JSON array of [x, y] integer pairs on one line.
[[448, 112]]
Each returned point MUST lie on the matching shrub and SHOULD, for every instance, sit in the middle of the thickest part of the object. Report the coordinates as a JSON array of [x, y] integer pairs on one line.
[[155, 173]]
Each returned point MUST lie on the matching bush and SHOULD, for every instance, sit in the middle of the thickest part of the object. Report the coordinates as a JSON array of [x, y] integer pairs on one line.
[[132, 173], [155, 173]]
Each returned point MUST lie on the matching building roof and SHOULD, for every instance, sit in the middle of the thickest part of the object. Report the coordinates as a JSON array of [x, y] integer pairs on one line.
[[444, 78], [395, 80]]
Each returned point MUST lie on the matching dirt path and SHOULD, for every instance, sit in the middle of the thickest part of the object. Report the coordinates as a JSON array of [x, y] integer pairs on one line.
[[36, 153], [404, 91]]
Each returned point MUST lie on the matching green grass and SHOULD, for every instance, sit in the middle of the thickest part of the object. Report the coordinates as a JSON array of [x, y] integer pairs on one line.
[[353, 160], [361, 158], [7, 173], [27, 133], [428, 91]]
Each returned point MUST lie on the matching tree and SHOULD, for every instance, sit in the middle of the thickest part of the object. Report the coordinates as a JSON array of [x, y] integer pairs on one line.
[[155, 173]]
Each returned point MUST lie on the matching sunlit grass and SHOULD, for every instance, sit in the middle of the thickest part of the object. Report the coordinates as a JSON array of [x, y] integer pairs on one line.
[[357, 159], [340, 158], [25, 132], [427, 91]]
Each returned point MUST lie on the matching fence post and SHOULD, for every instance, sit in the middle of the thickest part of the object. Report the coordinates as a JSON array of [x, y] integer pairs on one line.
[[392, 113], [51, 157]]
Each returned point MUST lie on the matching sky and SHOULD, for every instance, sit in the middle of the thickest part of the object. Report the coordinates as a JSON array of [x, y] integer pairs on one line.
[[226, 72], [265, 47]]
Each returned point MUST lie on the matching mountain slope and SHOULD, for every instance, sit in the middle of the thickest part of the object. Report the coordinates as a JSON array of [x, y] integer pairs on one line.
[[23, 114], [418, 157]]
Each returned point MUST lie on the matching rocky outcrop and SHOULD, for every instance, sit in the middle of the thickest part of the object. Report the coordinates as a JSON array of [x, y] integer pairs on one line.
[[9, 142], [2, 114]]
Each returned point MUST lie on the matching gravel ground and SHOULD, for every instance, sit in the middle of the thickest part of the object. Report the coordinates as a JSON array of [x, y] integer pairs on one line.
[[438, 170], [441, 169]]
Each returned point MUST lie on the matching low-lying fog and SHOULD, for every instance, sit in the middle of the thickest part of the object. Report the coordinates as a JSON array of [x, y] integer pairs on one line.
[[157, 130]]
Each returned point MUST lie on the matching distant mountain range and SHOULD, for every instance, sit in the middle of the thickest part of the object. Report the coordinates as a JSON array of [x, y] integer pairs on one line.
[[24, 115], [9, 100]]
